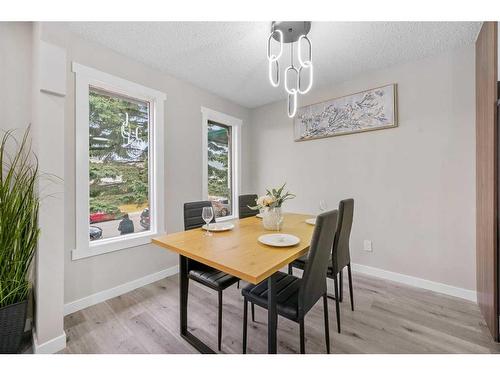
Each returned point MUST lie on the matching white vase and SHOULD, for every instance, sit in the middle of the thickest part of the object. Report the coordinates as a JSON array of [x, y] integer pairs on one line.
[[272, 218]]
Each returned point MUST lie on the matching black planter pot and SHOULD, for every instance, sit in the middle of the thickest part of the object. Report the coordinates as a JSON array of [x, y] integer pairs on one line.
[[12, 322]]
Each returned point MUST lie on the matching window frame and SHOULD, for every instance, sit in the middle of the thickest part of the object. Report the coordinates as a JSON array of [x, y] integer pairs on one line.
[[85, 78], [210, 115]]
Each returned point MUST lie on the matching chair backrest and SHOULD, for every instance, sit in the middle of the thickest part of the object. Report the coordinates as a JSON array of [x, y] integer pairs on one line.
[[192, 214], [341, 256], [243, 202], [313, 284]]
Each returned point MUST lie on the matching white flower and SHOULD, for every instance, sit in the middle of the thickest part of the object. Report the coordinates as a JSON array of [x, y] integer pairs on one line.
[[260, 201], [268, 200]]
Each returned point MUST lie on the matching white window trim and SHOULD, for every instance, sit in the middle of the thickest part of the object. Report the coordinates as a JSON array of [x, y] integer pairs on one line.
[[235, 123], [85, 77]]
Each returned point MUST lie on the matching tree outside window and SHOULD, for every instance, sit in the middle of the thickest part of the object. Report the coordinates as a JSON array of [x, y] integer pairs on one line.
[[118, 164], [219, 168]]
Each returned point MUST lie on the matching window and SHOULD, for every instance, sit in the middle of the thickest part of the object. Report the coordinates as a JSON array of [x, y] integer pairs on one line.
[[220, 175], [119, 184], [118, 165], [221, 162]]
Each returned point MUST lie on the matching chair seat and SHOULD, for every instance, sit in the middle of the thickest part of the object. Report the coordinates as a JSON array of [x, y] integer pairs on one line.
[[300, 262], [287, 293], [212, 278]]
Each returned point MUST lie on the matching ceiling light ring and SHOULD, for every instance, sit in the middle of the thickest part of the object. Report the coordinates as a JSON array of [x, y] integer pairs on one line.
[[270, 72], [308, 66], [291, 113], [299, 52], [270, 56], [295, 89]]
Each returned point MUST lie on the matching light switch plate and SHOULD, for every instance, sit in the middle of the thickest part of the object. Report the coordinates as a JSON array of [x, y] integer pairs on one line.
[[367, 245]]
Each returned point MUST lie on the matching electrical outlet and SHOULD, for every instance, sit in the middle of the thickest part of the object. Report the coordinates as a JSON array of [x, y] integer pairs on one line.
[[367, 245]]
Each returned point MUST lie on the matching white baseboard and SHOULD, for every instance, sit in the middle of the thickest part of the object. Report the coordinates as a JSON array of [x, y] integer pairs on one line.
[[104, 295], [417, 282], [49, 347]]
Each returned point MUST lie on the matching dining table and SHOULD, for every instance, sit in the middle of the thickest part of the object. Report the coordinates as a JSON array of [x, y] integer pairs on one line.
[[238, 252]]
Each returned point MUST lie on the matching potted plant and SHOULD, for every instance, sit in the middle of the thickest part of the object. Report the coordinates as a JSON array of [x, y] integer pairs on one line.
[[19, 233], [270, 207]]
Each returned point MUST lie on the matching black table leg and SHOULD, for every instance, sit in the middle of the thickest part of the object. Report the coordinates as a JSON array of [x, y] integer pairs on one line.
[[183, 293], [272, 316]]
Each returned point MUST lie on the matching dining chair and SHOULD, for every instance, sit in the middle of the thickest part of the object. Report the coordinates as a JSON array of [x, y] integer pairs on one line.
[[243, 202], [296, 296], [205, 275], [340, 255]]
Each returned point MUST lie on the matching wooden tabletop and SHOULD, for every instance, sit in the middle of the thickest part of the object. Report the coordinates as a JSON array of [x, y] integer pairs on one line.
[[238, 252]]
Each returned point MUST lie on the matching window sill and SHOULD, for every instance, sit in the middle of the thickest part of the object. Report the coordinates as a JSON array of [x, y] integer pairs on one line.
[[113, 244]]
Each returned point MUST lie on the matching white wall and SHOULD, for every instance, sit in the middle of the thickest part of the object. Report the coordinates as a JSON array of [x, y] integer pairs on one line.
[[413, 186], [183, 159], [15, 75]]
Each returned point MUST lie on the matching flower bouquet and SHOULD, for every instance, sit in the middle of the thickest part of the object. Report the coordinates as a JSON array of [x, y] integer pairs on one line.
[[270, 207]]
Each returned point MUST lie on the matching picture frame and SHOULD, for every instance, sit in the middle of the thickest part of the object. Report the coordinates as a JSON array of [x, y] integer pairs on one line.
[[368, 110]]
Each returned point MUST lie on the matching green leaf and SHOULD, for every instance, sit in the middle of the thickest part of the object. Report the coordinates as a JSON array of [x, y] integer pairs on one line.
[[18, 216]]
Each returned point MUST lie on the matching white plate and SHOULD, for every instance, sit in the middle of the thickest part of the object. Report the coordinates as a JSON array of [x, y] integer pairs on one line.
[[279, 239], [311, 221], [219, 227], [259, 216]]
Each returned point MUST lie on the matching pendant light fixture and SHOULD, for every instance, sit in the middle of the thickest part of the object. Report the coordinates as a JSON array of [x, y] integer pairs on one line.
[[290, 33]]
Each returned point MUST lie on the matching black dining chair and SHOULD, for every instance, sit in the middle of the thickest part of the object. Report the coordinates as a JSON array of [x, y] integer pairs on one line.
[[340, 256], [243, 202], [296, 296], [205, 275]]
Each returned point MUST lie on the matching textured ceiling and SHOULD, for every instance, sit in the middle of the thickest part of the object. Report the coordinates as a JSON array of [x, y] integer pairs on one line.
[[229, 59]]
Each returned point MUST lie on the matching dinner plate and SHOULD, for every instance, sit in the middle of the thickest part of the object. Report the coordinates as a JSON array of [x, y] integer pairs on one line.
[[311, 221], [279, 239], [259, 216], [219, 227]]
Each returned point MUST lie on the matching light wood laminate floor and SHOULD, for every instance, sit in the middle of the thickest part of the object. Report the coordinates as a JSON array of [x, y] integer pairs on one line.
[[388, 318]]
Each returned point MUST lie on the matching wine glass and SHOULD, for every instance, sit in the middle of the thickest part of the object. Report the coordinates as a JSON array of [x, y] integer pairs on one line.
[[322, 206], [207, 214]]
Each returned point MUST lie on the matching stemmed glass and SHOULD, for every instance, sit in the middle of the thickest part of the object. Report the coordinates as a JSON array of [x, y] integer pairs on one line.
[[207, 214], [322, 206]]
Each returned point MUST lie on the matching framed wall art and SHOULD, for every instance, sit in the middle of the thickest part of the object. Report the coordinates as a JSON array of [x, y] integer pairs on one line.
[[364, 111]]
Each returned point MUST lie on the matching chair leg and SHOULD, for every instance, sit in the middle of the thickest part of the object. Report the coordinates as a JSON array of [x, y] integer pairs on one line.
[[245, 318], [302, 338], [337, 305], [253, 312], [327, 328], [351, 294], [219, 325], [341, 286], [290, 269]]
